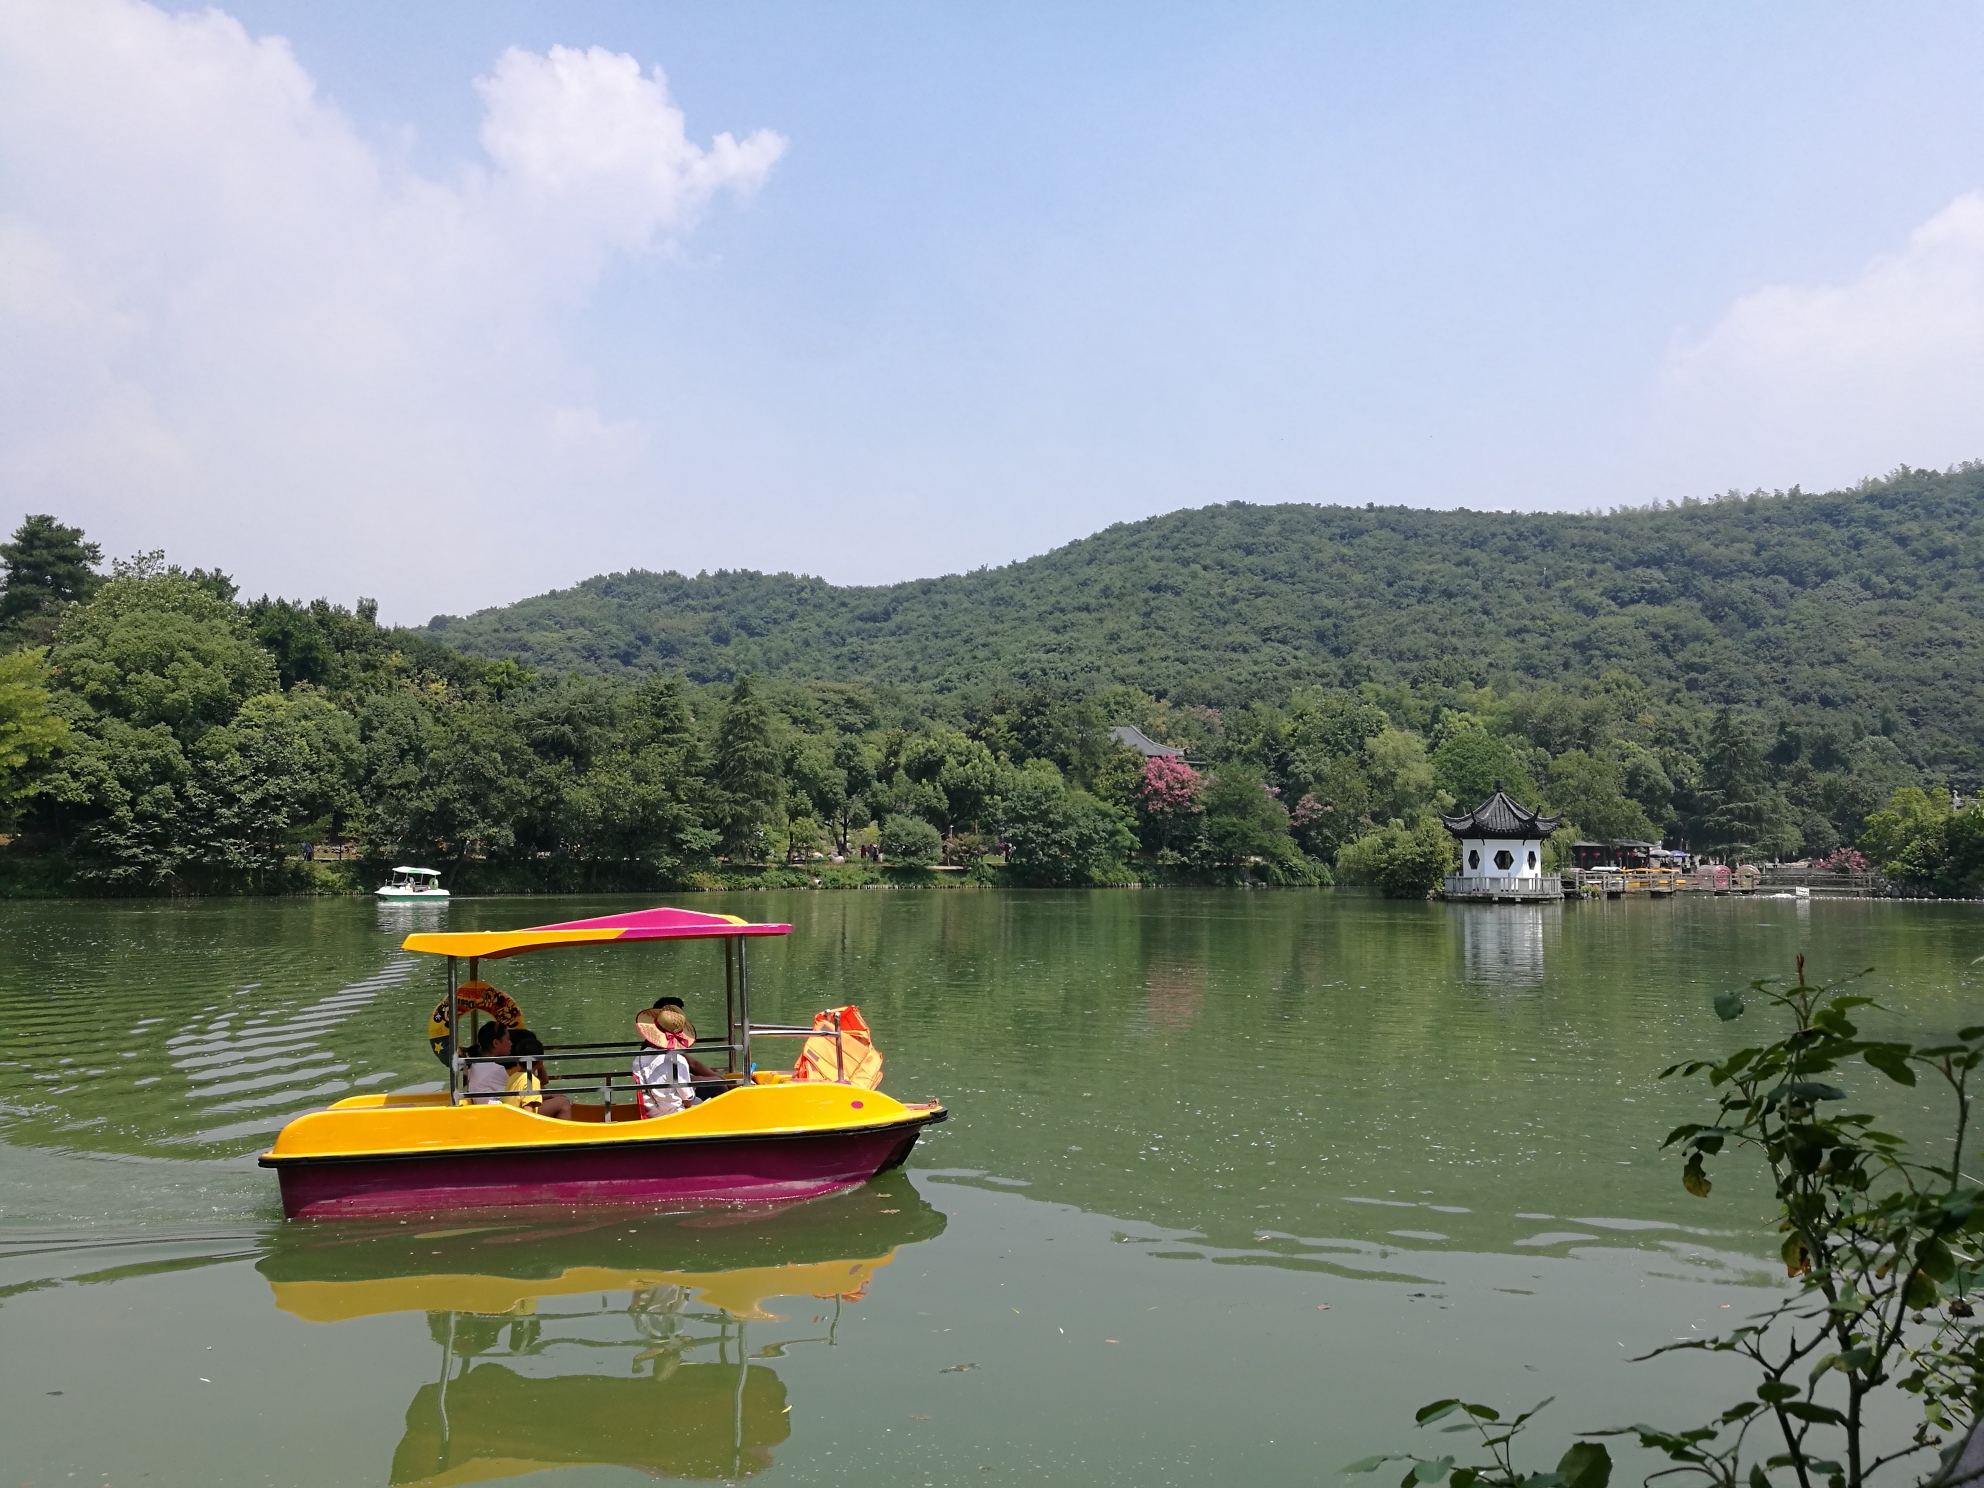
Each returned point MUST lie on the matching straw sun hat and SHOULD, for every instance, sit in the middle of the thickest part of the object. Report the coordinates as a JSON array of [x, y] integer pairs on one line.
[[665, 1028]]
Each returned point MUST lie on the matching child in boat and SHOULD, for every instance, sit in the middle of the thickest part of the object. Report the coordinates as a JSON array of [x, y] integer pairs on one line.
[[662, 1070], [525, 1085]]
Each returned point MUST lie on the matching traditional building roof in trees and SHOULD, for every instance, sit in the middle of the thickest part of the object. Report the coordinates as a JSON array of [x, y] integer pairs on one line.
[[1501, 816], [1132, 737]]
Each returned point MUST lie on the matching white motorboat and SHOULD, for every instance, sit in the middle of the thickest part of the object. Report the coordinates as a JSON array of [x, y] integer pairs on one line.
[[413, 884]]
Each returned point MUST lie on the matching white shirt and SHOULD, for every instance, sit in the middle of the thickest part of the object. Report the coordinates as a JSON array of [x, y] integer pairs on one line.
[[486, 1083], [668, 1067]]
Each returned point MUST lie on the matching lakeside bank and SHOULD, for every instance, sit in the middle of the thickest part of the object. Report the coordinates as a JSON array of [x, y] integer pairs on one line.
[[52, 877]]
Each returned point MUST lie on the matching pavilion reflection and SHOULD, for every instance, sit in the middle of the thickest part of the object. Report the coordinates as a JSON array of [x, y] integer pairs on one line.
[[1502, 944], [613, 1340]]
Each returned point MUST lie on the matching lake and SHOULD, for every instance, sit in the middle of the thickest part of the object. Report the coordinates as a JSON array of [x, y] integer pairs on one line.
[[1234, 1181]]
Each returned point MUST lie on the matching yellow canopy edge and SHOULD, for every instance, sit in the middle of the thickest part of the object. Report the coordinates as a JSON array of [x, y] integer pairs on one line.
[[494, 945]]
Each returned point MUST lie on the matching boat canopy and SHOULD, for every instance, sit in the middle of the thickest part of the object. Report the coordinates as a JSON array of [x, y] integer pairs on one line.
[[641, 924], [420, 872]]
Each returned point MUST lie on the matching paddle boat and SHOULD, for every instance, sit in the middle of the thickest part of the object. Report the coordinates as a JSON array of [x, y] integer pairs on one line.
[[768, 1137], [421, 885]]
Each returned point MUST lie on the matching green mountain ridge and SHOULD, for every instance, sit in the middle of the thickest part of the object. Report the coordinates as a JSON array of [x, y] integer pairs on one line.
[[1862, 608]]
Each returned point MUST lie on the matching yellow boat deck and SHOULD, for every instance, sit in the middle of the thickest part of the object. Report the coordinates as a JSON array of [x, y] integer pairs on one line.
[[407, 1125]]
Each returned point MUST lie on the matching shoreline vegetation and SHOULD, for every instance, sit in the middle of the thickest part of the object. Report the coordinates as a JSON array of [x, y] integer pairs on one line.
[[1761, 678], [50, 878]]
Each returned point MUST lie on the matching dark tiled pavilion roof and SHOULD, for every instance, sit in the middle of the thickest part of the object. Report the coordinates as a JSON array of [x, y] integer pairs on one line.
[[1501, 816], [1132, 737]]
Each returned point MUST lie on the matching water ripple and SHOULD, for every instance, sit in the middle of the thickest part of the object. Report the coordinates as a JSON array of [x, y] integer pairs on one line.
[[139, 1043]]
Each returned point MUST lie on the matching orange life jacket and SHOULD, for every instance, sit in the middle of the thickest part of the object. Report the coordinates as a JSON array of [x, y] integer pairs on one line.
[[848, 1057]]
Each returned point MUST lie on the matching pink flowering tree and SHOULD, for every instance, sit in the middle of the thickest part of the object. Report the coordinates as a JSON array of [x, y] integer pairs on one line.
[[1169, 801]]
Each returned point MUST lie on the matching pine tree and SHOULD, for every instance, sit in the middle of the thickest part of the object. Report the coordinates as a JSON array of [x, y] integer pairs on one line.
[[1732, 800], [749, 777], [47, 566]]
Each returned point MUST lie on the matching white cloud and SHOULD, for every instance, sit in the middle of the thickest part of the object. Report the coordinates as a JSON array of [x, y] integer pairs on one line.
[[1824, 384], [231, 326]]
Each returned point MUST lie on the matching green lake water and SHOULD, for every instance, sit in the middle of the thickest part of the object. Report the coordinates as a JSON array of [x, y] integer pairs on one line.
[[1233, 1182]]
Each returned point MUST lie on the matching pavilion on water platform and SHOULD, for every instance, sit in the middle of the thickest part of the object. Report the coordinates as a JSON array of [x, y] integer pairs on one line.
[[1501, 853]]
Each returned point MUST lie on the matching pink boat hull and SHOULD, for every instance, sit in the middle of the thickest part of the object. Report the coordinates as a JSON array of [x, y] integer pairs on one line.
[[667, 1174]]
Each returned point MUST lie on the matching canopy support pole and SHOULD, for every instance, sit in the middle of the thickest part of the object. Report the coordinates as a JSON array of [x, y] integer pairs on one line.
[[730, 945], [741, 1058], [454, 1040]]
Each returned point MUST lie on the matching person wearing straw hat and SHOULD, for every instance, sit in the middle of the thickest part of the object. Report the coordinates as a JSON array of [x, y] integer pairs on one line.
[[662, 1071], [709, 1082]]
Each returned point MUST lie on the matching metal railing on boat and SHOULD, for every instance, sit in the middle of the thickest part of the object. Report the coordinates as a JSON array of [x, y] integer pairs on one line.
[[576, 1080]]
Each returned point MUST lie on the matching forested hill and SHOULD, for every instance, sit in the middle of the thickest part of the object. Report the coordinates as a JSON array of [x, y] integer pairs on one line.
[[1868, 604]]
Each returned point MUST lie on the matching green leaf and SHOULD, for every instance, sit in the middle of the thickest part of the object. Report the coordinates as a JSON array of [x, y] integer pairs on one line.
[[1757, 1478], [1804, 1410], [1586, 1465], [1463, 1477], [1921, 1292], [1729, 1006], [1427, 1472], [1482, 1412], [1436, 1410], [1532, 1410], [1935, 1260], [1891, 1060], [1771, 1392], [1810, 1091], [1371, 1464]]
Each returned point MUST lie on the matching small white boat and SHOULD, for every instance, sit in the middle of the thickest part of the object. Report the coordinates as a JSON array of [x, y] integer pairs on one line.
[[413, 884]]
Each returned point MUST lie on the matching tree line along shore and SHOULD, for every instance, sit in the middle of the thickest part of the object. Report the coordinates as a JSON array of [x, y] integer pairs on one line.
[[159, 735]]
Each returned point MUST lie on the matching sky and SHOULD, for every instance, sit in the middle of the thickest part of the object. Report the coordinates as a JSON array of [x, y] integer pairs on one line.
[[455, 303]]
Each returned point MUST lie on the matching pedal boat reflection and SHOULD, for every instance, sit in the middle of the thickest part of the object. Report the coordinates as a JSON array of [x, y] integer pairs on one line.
[[528, 1319], [765, 1139]]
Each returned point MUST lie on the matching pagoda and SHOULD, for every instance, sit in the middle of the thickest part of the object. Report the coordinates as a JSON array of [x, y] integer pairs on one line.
[[1501, 852]]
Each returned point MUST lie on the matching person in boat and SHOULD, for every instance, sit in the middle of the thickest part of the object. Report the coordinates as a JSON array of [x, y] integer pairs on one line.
[[525, 1083], [662, 1070], [709, 1082], [487, 1082]]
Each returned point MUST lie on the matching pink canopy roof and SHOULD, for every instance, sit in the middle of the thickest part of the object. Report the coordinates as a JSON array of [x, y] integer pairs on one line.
[[640, 924]]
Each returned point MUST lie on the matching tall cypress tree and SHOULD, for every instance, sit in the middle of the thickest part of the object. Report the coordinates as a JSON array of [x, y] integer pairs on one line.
[[47, 566], [1732, 799], [750, 777]]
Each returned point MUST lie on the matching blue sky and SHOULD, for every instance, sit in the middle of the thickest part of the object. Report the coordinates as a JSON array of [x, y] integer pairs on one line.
[[975, 281]]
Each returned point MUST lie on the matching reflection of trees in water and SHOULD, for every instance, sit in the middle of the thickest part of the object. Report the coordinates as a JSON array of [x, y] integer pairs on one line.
[[1172, 996]]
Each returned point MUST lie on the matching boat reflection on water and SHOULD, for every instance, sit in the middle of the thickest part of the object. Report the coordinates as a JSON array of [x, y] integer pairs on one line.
[[1503, 943], [602, 1340]]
